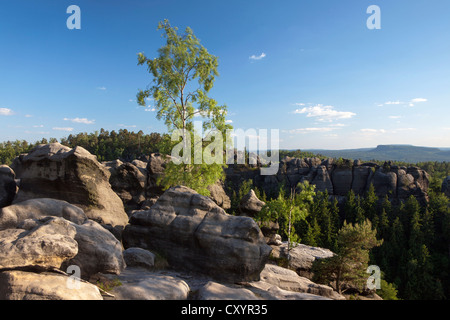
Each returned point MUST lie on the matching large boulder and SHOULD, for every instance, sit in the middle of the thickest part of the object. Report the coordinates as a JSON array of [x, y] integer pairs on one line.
[[139, 284], [46, 244], [129, 182], [155, 167], [98, 250], [216, 291], [289, 280], [14, 214], [219, 196], [302, 257], [20, 285], [193, 233], [8, 187], [250, 205], [74, 175]]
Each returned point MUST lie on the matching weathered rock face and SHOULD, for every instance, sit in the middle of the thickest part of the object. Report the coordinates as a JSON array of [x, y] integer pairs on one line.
[[219, 196], [129, 182], [73, 175], [250, 205], [98, 250], [446, 186], [302, 257], [19, 285], [14, 214], [289, 280], [8, 187], [193, 233], [337, 179], [155, 168], [45, 245]]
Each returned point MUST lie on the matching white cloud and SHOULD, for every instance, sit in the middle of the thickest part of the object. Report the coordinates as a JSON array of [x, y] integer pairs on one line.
[[373, 131], [325, 113], [38, 126], [101, 88], [80, 120], [395, 117], [411, 103], [150, 109], [419, 100], [393, 103], [63, 129], [311, 130], [261, 56], [228, 121], [6, 112], [28, 116], [127, 126]]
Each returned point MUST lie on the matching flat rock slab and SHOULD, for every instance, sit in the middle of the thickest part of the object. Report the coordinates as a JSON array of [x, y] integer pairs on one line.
[[20, 285], [140, 284]]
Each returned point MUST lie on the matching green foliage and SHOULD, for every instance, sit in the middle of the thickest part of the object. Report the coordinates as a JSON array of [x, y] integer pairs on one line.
[[288, 210], [183, 63], [349, 264], [388, 291]]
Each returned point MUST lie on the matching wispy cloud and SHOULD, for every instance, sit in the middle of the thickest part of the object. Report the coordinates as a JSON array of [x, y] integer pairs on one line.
[[311, 130], [150, 109], [127, 126], [6, 112], [62, 129], [410, 103], [228, 121], [101, 88], [255, 57], [395, 117], [80, 120], [325, 113]]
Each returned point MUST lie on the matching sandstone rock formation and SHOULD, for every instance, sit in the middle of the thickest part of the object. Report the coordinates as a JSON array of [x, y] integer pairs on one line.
[[129, 182], [193, 233], [8, 187], [250, 205], [13, 215], [73, 175], [138, 257], [338, 178], [45, 245], [302, 257], [20, 285]]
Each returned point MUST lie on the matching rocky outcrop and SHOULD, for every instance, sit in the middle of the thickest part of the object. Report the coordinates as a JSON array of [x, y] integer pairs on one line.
[[73, 175], [129, 182], [98, 250], [250, 205], [289, 280], [219, 196], [337, 177], [8, 187], [21, 285], [13, 215], [140, 258], [302, 257], [45, 245], [193, 233]]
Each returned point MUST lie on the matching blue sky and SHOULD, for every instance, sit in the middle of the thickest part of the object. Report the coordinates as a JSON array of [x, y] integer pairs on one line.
[[311, 69]]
